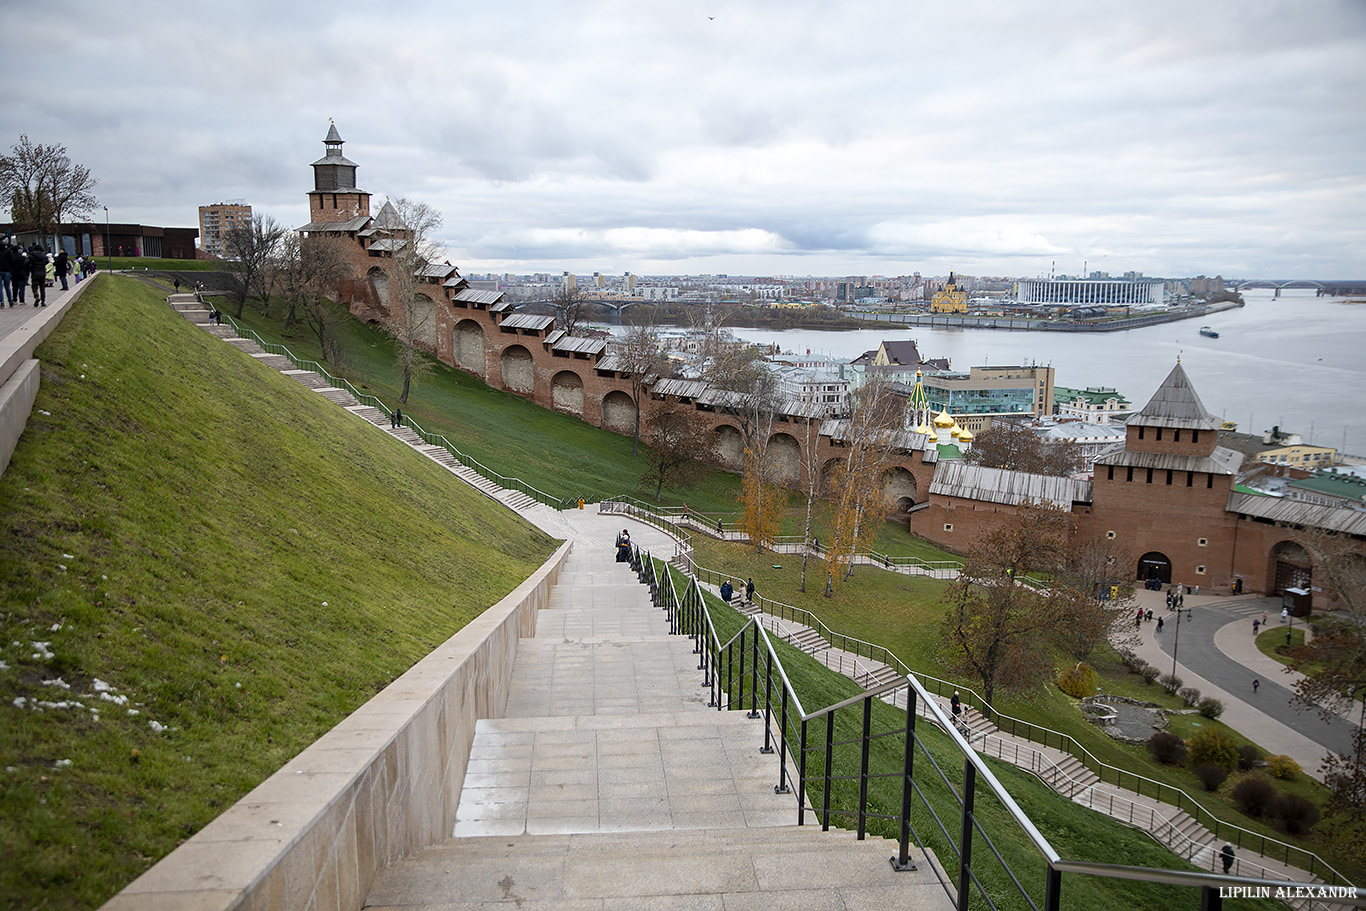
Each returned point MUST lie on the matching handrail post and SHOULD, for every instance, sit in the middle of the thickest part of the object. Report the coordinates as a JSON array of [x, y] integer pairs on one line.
[[863, 768], [1052, 889], [902, 862], [1210, 899], [754, 676], [829, 761], [768, 706], [801, 776], [965, 836], [781, 787]]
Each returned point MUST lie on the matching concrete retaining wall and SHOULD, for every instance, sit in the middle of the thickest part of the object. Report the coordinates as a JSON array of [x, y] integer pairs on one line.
[[381, 785], [19, 373]]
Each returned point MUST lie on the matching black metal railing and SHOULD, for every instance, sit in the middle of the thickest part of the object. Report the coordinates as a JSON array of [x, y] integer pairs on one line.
[[868, 764]]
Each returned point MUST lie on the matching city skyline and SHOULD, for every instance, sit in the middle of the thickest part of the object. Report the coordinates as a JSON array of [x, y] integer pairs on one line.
[[744, 138]]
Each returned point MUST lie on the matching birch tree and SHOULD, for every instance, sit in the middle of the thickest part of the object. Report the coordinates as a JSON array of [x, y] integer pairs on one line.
[[414, 250], [867, 438]]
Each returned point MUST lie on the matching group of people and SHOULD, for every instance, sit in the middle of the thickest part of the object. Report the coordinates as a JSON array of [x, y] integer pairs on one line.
[[728, 591], [24, 269]]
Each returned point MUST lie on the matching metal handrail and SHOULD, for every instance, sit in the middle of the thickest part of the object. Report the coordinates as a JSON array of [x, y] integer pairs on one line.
[[975, 768], [1219, 828]]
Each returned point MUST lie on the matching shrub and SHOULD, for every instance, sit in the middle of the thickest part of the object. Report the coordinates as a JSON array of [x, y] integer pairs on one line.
[[1150, 674], [1248, 757], [1131, 661], [1283, 767], [1167, 748], [1211, 708], [1210, 775], [1211, 745], [1079, 681], [1189, 695], [1171, 683], [1254, 794], [1293, 813]]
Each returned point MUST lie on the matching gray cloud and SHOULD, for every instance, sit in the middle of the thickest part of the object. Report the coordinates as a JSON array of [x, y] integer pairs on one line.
[[993, 137]]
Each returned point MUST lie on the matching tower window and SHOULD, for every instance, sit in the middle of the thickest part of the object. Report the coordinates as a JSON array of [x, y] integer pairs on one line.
[[1159, 433], [1177, 436], [1110, 535], [1195, 436], [1140, 431], [1169, 477], [1130, 474], [1200, 570], [1190, 479], [948, 526], [1203, 542], [1209, 481], [1110, 472], [1150, 476]]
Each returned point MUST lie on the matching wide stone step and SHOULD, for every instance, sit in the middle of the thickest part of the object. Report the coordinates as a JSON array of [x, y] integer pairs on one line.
[[792, 868], [307, 378]]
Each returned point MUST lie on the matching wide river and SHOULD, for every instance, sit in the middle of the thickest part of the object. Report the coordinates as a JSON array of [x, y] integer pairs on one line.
[[1297, 361]]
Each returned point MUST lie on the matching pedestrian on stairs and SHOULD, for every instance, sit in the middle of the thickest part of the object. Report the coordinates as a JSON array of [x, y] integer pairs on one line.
[[398, 417], [1226, 855], [749, 591], [726, 591], [177, 285]]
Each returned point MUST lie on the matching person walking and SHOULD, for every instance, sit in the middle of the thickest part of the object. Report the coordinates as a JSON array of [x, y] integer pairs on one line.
[[1255, 683], [749, 591], [6, 289], [61, 265], [1226, 855], [726, 591], [1264, 618], [1255, 626], [18, 272], [37, 275]]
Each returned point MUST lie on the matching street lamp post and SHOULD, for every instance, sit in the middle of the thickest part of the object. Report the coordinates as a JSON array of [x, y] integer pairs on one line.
[[1176, 643], [108, 250]]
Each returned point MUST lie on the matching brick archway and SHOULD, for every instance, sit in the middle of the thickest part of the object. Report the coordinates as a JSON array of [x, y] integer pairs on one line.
[[519, 373], [729, 447], [566, 392], [1154, 564], [378, 280], [899, 489], [467, 341], [786, 455], [619, 412]]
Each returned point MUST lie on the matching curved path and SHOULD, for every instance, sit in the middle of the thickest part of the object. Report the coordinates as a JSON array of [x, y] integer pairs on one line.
[[1216, 653]]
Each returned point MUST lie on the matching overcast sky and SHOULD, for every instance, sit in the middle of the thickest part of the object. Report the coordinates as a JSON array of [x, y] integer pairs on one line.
[[740, 136]]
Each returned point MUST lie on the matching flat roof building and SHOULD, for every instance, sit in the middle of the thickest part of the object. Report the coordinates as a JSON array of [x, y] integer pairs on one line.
[[215, 223]]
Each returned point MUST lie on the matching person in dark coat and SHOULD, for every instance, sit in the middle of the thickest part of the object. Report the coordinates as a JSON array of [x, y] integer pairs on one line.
[[726, 591], [749, 591], [37, 274], [61, 265], [18, 271], [6, 289], [1226, 855]]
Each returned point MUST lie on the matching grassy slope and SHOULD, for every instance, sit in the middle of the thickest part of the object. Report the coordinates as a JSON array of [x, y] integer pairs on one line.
[[246, 562]]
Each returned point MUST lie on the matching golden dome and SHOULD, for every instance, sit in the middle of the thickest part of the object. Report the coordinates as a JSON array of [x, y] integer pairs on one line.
[[943, 420], [966, 436], [956, 431], [922, 429]]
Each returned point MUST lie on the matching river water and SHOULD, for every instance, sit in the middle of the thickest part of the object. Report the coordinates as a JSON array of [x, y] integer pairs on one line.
[[1297, 361]]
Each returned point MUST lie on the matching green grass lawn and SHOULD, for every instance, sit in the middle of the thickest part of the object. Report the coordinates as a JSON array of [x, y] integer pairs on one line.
[[240, 560], [154, 264]]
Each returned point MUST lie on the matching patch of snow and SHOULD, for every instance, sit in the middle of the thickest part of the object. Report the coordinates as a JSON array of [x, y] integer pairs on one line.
[[19, 702], [117, 700], [156, 726], [62, 764], [58, 682], [100, 686], [44, 651], [133, 711], [55, 628]]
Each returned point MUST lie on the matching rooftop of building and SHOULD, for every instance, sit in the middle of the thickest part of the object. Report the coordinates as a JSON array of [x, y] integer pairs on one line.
[[1096, 395], [1175, 404], [1346, 486]]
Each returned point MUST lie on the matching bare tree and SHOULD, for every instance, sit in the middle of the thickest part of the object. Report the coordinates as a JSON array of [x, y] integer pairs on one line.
[[1008, 445], [569, 308], [641, 361], [45, 186], [754, 410], [867, 437], [251, 247], [811, 469], [412, 310], [1098, 600], [999, 629], [309, 271], [679, 446]]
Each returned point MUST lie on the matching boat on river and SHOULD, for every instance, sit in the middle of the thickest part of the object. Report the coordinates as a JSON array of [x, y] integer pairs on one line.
[[1207, 332]]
